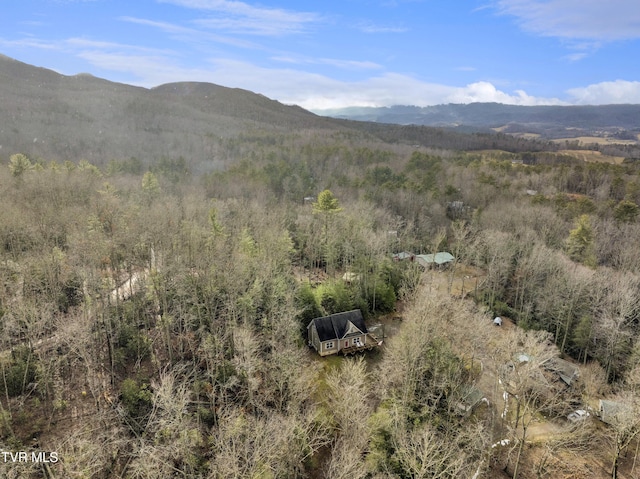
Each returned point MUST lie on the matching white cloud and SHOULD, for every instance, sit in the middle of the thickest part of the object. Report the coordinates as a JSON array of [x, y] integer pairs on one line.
[[576, 19], [250, 26], [240, 17], [487, 92], [350, 64], [155, 66], [28, 42], [367, 27], [191, 35], [334, 62], [619, 91], [576, 57], [84, 43], [33, 23], [148, 69], [141, 62]]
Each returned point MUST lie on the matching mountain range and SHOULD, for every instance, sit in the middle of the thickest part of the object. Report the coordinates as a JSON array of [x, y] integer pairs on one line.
[[56, 117], [622, 121]]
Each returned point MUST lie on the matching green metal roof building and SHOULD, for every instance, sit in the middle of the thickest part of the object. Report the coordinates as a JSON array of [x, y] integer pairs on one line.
[[438, 259]]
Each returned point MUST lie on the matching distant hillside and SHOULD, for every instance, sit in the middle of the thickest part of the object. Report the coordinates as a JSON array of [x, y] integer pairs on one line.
[[56, 117], [45, 114], [548, 121]]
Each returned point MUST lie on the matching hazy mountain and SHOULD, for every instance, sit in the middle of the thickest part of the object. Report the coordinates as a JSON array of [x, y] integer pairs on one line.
[[45, 114], [549, 121], [56, 117]]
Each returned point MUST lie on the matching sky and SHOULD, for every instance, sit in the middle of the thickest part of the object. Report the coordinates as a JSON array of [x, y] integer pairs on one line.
[[334, 54]]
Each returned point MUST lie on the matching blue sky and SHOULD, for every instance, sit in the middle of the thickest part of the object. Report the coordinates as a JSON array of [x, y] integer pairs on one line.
[[333, 54]]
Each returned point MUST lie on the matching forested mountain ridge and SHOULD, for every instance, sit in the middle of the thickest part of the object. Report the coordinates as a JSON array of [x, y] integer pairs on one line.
[[549, 121], [59, 117], [55, 117]]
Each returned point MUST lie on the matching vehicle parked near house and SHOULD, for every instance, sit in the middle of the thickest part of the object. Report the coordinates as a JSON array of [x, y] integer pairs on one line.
[[578, 415]]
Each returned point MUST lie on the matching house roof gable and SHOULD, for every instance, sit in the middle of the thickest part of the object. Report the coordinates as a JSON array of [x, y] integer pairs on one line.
[[567, 371], [613, 411], [337, 326]]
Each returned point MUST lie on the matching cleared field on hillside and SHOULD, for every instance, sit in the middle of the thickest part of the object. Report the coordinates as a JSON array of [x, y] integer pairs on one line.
[[585, 140], [593, 156]]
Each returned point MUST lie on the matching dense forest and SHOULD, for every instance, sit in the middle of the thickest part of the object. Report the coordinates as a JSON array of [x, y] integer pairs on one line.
[[154, 313]]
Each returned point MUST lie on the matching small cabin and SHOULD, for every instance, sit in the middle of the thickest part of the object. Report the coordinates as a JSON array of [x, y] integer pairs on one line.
[[567, 372], [439, 259], [613, 412], [343, 333], [470, 398]]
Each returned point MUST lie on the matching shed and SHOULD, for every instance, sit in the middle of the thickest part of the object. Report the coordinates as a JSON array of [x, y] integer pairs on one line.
[[438, 259], [612, 412], [404, 255], [350, 277], [341, 332], [565, 370], [471, 397]]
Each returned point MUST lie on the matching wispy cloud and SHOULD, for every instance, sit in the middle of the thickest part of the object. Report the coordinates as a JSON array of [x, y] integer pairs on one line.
[[576, 19], [251, 26], [33, 23], [576, 57], [342, 64], [191, 35], [85, 43], [397, 3], [73, 1], [148, 65], [28, 42], [240, 17], [143, 66], [368, 27]]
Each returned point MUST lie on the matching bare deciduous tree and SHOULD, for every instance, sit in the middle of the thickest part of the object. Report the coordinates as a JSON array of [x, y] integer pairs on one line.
[[522, 378]]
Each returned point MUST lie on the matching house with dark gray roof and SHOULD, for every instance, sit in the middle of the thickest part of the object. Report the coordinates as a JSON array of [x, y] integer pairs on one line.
[[341, 332]]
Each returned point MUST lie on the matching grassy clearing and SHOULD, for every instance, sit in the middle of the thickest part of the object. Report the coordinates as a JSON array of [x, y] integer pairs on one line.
[[593, 156], [585, 140]]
